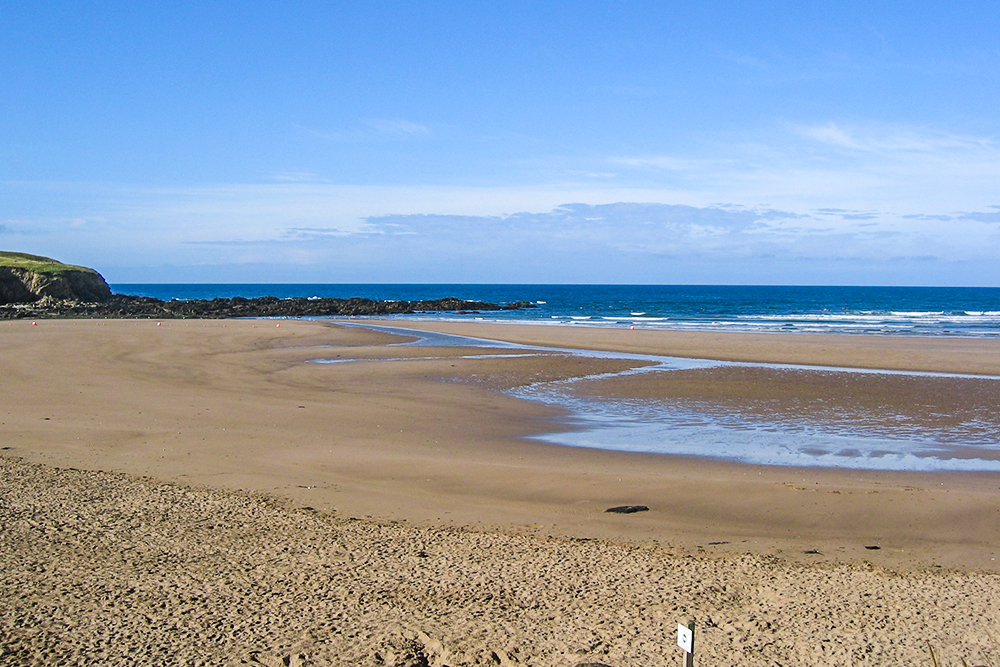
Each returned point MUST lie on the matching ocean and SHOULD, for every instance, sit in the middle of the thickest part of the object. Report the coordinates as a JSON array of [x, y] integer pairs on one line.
[[920, 311]]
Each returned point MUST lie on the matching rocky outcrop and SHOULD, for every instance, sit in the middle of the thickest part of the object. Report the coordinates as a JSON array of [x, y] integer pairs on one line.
[[29, 279], [121, 306], [39, 287]]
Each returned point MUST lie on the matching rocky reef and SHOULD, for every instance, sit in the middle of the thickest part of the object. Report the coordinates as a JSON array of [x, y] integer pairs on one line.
[[38, 287], [121, 306]]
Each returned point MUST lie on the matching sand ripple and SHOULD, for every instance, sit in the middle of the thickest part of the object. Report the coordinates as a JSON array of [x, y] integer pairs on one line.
[[100, 568]]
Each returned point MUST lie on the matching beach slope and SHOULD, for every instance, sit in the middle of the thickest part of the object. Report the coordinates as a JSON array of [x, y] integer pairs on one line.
[[486, 544]]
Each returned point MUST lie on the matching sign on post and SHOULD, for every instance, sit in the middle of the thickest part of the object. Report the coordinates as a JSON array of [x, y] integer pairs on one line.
[[685, 639]]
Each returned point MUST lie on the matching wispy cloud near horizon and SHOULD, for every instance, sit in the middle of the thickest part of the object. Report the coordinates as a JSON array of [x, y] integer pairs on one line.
[[337, 233], [862, 168], [397, 127], [800, 205], [373, 129], [894, 139]]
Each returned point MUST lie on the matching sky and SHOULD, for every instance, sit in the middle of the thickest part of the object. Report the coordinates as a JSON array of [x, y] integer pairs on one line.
[[846, 143]]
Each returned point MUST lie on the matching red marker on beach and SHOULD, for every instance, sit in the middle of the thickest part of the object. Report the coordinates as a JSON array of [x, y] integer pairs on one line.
[[34, 324]]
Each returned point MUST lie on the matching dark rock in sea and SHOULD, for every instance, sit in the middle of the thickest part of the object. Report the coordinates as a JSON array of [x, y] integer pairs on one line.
[[38, 287], [627, 509], [32, 279], [121, 306]]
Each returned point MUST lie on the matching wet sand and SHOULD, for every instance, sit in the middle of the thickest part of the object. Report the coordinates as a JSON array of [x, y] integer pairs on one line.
[[910, 353], [231, 405], [960, 412]]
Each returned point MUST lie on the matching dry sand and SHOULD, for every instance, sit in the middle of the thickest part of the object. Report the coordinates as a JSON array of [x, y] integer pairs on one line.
[[520, 563], [105, 569]]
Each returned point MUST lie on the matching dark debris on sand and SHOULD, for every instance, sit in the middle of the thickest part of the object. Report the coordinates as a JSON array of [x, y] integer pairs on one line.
[[627, 509]]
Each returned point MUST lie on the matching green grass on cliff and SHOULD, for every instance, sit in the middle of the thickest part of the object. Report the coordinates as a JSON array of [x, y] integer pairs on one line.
[[20, 260]]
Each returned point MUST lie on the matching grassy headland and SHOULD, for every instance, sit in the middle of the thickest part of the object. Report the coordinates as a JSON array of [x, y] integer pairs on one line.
[[37, 263]]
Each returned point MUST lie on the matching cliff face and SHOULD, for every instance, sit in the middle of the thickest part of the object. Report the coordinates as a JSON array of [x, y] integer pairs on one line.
[[29, 278]]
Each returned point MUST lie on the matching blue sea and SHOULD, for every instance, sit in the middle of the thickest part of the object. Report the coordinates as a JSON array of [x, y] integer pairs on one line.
[[880, 441], [921, 311]]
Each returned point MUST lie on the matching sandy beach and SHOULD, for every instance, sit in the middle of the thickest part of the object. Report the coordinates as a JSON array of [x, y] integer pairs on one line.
[[522, 563]]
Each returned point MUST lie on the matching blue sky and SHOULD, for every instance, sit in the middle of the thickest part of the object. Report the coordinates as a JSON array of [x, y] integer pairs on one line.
[[585, 142]]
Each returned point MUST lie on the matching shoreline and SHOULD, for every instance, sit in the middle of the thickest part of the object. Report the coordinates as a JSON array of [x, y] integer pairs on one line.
[[756, 412], [952, 354], [218, 403]]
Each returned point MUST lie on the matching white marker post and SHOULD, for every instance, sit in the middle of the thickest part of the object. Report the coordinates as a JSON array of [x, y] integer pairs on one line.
[[685, 639]]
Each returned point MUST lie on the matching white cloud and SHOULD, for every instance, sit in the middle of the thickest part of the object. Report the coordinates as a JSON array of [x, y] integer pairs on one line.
[[642, 232], [397, 127], [833, 135], [891, 139], [882, 168], [815, 196], [372, 129], [296, 177], [667, 162]]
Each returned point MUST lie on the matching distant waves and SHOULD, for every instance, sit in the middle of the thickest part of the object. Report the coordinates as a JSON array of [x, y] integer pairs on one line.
[[921, 311]]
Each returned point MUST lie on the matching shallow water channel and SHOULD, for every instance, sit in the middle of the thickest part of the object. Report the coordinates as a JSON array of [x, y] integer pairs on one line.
[[814, 430]]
